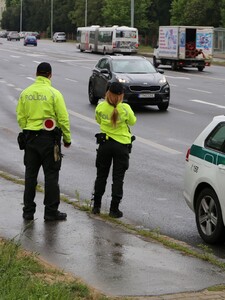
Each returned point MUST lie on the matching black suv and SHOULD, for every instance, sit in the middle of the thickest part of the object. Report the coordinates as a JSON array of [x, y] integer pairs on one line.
[[144, 85]]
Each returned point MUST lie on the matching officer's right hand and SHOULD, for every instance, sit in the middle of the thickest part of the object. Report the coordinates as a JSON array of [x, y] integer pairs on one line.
[[66, 145]]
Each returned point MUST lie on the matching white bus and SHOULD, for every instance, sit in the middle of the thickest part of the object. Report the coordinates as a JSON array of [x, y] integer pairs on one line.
[[115, 39]]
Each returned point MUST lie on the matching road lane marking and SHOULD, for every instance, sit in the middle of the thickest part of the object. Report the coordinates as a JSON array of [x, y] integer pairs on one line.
[[157, 146], [138, 138], [73, 80], [181, 110], [13, 99], [75, 114], [209, 77], [176, 77], [202, 91], [31, 78], [77, 60], [34, 55], [207, 103]]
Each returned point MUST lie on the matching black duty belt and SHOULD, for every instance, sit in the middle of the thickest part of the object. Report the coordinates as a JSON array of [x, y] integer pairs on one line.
[[38, 132]]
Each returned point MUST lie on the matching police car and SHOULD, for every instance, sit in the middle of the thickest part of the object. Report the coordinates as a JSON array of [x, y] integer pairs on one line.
[[204, 181]]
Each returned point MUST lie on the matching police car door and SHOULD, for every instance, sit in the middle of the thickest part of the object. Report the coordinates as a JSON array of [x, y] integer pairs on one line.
[[216, 142]]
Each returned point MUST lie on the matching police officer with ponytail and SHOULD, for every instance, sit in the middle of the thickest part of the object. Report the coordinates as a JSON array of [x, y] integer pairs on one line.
[[115, 142]]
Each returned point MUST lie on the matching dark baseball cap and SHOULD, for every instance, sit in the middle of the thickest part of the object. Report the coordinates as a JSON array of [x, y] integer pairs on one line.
[[116, 88], [44, 68]]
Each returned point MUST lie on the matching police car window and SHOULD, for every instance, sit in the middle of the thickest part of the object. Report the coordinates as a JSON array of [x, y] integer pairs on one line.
[[216, 139]]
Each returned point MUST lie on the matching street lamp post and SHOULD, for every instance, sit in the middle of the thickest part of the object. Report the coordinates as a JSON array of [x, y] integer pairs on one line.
[[51, 18], [85, 13], [21, 15], [132, 13]]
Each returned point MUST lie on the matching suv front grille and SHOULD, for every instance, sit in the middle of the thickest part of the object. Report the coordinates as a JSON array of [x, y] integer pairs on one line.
[[139, 88]]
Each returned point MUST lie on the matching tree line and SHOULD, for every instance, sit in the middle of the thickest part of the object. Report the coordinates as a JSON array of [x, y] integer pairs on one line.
[[148, 15]]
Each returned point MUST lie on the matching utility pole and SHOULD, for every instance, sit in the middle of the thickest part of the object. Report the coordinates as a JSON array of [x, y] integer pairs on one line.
[[85, 21], [51, 18], [132, 13], [21, 15]]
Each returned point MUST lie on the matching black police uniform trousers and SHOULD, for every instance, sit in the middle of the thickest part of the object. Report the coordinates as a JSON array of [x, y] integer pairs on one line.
[[111, 152], [39, 151]]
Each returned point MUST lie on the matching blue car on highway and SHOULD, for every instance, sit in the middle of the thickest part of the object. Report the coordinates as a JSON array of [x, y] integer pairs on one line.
[[30, 40]]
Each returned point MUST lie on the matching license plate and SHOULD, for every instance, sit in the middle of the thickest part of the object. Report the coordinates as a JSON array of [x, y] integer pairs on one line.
[[147, 95]]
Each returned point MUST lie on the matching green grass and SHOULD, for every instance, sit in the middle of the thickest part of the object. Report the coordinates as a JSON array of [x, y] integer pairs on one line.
[[145, 49], [23, 276]]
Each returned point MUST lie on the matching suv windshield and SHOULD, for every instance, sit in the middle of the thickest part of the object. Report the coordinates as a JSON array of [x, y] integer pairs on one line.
[[132, 66]]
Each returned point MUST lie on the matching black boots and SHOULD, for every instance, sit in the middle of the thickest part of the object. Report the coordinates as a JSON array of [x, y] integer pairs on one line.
[[114, 209], [96, 210], [97, 205], [116, 213], [58, 216]]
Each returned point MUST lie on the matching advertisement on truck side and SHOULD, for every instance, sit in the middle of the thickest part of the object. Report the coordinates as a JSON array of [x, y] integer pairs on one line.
[[204, 42], [168, 42]]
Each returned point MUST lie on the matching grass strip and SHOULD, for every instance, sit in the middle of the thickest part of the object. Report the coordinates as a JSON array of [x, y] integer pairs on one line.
[[23, 276], [203, 253]]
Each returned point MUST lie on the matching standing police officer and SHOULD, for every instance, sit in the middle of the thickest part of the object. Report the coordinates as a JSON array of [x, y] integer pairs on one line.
[[43, 117], [114, 142]]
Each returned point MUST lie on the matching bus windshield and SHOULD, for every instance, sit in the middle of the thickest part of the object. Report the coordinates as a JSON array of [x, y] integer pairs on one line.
[[130, 34]]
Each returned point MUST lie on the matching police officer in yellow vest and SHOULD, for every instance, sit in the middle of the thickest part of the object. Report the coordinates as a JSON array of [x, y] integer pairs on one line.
[[115, 141], [43, 117]]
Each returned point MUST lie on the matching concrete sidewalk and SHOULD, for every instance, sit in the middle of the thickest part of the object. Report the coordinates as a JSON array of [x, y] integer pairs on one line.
[[104, 256]]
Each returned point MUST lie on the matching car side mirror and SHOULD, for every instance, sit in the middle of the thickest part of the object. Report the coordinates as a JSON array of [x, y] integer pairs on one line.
[[160, 71], [105, 71]]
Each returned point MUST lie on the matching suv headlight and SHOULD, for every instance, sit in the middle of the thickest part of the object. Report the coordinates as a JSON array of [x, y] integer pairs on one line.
[[166, 89], [162, 80], [122, 80]]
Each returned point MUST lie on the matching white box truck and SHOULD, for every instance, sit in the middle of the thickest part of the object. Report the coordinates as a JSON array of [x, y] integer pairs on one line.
[[184, 46]]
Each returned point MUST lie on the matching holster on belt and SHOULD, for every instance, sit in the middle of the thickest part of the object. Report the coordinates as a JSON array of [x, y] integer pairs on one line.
[[57, 154], [100, 138]]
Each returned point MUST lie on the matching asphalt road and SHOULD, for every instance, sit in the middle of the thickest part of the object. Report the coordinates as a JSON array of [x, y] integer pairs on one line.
[[154, 182]]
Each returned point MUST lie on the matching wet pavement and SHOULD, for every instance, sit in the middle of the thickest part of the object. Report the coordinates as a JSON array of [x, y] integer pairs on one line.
[[104, 256]]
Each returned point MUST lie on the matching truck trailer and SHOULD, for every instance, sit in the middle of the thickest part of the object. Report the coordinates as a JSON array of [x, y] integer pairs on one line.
[[184, 46]]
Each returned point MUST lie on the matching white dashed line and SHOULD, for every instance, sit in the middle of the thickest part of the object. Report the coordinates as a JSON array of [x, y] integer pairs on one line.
[[208, 103], [181, 110], [138, 138], [73, 80], [174, 77], [31, 78], [202, 91]]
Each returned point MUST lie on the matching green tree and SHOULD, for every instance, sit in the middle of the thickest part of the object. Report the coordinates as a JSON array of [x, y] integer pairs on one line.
[[222, 13], [61, 20], [36, 15], [162, 8], [195, 12], [122, 16], [158, 14], [94, 13], [10, 18]]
